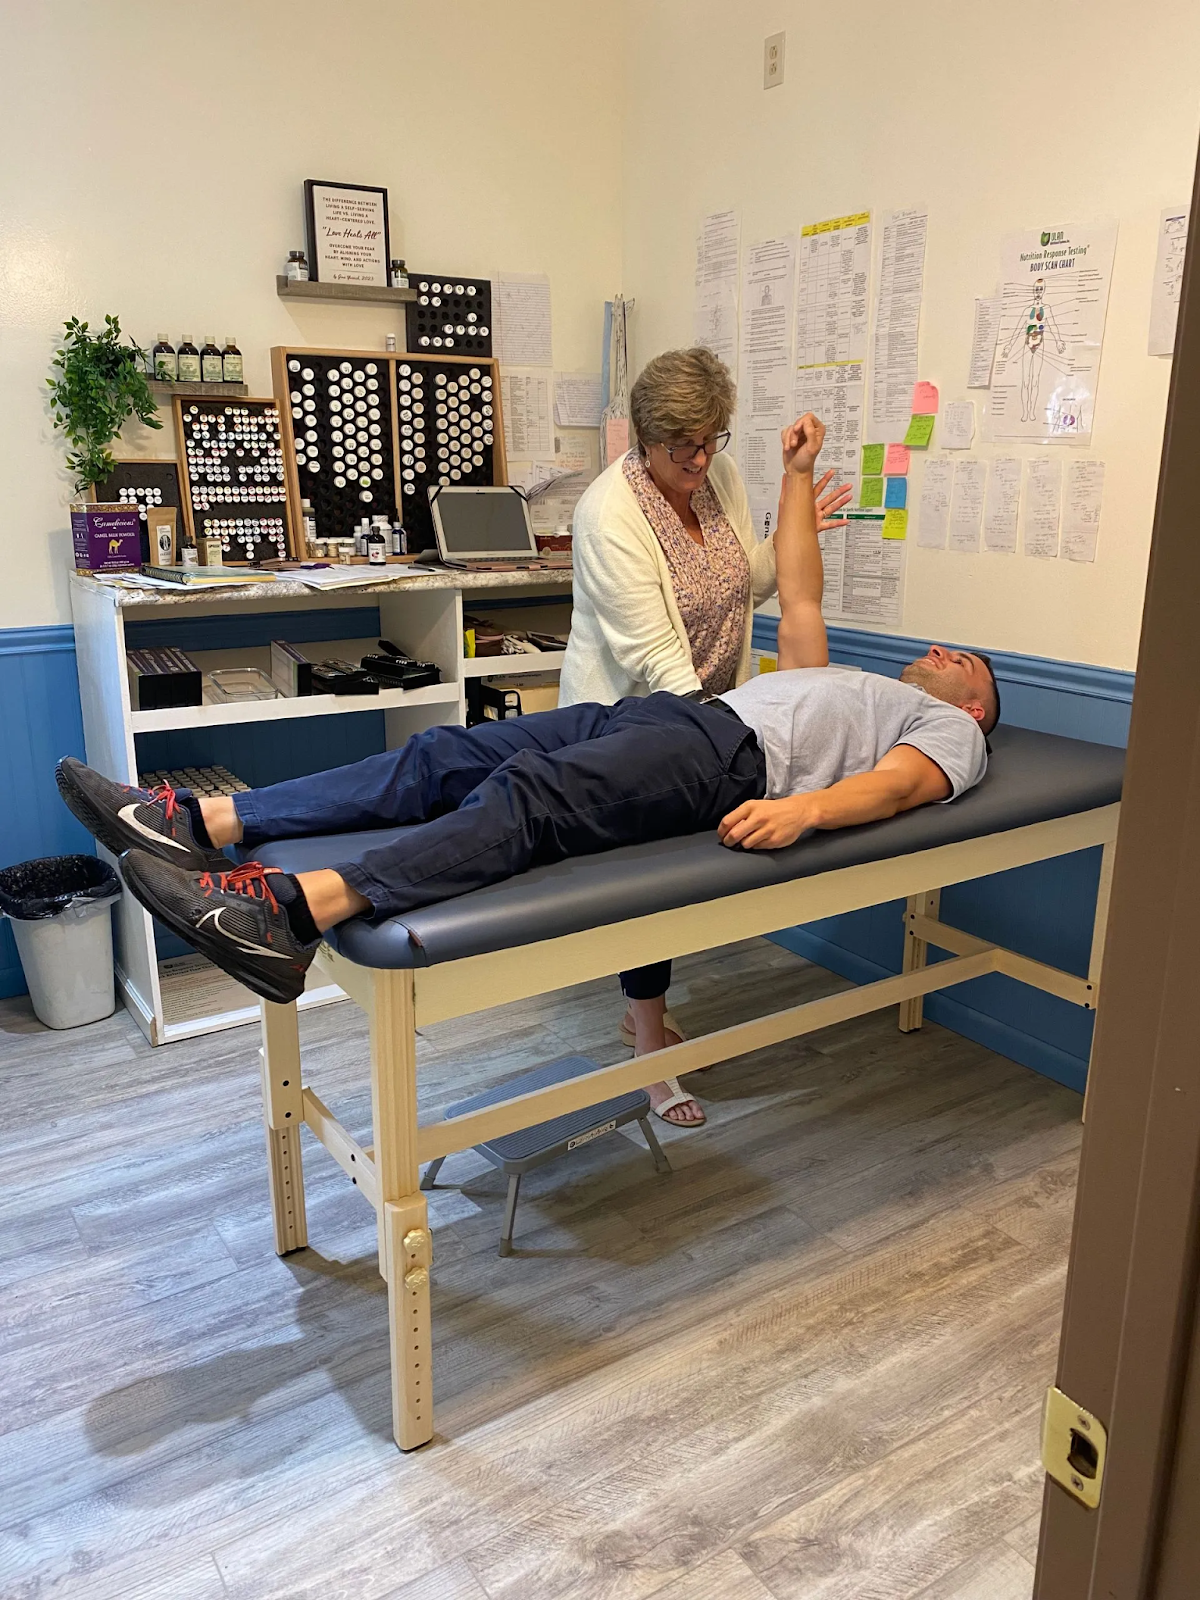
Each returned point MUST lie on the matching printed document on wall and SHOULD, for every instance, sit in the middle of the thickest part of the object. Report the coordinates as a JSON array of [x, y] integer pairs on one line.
[[835, 274], [1001, 505], [716, 304], [577, 399], [966, 505], [1081, 510], [1168, 275], [864, 572], [522, 317], [1054, 299], [983, 343], [897, 323], [835, 393], [526, 397], [933, 515], [764, 379], [1043, 502]]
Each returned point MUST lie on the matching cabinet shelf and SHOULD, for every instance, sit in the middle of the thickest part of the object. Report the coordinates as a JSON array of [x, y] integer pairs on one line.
[[164, 391], [512, 666], [363, 293], [291, 707]]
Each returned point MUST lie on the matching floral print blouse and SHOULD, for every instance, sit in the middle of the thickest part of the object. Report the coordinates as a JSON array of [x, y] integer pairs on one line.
[[711, 580]]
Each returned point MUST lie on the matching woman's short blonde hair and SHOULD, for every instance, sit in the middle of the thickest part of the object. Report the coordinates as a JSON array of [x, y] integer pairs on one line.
[[681, 394]]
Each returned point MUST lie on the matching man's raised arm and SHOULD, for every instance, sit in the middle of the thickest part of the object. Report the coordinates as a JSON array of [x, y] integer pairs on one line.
[[798, 567]]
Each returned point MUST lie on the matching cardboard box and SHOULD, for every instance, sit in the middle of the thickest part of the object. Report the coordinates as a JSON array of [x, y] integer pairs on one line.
[[162, 524], [106, 536]]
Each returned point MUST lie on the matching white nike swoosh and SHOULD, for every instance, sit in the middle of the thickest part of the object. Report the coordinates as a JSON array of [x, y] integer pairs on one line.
[[126, 815], [255, 949]]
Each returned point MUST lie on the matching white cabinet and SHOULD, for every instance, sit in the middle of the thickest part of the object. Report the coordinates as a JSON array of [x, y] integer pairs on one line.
[[181, 998]]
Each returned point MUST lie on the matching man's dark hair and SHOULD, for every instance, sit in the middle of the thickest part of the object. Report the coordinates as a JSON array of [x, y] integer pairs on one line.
[[990, 722]]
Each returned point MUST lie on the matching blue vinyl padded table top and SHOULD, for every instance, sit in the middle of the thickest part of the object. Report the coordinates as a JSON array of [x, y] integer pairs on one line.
[[1031, 777]]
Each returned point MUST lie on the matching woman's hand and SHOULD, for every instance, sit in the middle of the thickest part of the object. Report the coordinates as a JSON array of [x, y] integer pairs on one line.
[[802, 442], [830, 502]]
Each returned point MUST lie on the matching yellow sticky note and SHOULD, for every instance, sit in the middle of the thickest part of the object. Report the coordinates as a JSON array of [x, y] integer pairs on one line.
[[768, 664], [872, 460], [895, 523], [920, 431], [871, 492]]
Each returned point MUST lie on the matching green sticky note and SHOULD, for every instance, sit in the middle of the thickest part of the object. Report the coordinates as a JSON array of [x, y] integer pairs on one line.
[[871, 492], [872, 457], [895, 524], [920, 431]]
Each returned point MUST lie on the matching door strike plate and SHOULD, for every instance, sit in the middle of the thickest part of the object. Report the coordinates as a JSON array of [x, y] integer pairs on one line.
[[1074, 1445]]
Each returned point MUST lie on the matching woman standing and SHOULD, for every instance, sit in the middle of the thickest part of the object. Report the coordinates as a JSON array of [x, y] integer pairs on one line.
[[667, 573]]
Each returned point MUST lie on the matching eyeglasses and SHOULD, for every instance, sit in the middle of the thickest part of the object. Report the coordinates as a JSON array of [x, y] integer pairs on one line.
[[679, 453]]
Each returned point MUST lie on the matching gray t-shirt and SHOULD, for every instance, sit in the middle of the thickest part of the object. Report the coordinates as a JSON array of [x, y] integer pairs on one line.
[[818, 725]]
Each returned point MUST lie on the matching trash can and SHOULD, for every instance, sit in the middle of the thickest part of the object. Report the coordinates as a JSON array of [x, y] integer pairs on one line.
[[60, 913]]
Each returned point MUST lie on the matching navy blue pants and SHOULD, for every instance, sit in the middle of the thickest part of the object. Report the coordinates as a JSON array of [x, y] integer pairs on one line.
[[502, 797]]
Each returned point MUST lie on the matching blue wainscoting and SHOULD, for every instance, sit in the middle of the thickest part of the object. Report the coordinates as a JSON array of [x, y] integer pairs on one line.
[[1044, 911]]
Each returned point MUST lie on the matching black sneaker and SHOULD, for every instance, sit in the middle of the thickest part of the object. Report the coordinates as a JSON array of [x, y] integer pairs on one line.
[[232, 917], [123, 819]]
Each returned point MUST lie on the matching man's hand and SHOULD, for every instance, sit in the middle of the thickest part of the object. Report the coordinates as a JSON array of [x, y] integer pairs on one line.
[[830, 501], [767, 824], [802, 442]]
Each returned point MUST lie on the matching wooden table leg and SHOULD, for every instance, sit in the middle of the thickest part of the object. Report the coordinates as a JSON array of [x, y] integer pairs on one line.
[[406, 1247], [916, 954], [283, 1114]]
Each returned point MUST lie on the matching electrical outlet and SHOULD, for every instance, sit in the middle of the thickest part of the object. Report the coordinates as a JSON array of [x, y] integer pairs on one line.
[[773, 60]]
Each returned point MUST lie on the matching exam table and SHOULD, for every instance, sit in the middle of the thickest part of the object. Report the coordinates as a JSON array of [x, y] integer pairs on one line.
[[591, 916]]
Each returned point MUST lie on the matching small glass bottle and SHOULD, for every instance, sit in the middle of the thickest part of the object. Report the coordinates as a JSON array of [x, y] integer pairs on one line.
[[377, 547], [389, 341], [297, 266], [399, 539], [231, 362], [165, 365], [311, 548], [189, 360], [399, 275], [360, 537], [212, 369]]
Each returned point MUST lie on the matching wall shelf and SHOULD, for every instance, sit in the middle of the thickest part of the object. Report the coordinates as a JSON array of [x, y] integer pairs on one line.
[[363, 293], [226, 391], [513, 666]]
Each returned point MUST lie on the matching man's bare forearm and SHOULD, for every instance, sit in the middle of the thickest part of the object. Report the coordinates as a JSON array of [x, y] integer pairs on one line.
[[800, 577]]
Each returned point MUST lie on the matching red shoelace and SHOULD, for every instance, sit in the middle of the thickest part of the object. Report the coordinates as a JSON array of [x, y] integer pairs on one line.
[[249, 880], [166, 794]]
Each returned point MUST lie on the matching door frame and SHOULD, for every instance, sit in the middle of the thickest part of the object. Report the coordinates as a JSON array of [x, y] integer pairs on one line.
[[1130, 1350]]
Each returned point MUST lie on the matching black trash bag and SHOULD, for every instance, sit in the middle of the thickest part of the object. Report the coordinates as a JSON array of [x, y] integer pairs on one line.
[[47, 888]]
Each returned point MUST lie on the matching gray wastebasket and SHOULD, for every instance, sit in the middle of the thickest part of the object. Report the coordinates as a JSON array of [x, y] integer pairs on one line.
[[60, 909]]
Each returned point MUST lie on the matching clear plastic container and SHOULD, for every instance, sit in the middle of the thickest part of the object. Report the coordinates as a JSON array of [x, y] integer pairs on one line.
[[225, 685]]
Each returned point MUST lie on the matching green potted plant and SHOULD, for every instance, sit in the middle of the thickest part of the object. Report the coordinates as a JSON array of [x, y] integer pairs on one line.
[[99, 383]]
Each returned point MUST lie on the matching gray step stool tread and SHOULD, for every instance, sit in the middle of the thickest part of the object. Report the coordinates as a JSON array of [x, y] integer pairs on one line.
[[527, 1142]]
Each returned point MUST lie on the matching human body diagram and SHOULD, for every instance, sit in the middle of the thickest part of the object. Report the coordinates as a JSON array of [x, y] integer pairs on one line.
[[1033, 328]]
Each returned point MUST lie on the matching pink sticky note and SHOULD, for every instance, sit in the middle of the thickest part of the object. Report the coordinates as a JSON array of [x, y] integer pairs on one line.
[[925, 399], [895, 460]]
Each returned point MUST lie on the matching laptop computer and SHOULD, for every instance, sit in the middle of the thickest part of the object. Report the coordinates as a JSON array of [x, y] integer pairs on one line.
[[487, 529]]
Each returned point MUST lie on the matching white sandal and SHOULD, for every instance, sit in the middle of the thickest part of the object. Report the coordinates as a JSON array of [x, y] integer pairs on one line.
[[629, 1040], [679, 1097]]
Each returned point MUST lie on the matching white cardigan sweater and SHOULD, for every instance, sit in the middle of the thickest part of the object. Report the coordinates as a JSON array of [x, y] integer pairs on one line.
[[627, 636]]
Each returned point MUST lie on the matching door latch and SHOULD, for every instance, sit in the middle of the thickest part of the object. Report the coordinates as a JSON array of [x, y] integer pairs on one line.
[[1074, 1446]]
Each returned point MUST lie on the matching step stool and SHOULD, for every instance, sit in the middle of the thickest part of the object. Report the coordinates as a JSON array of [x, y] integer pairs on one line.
[[518, 1153]]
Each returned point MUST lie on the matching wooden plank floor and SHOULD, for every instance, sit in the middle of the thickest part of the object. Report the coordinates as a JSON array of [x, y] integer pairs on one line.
[[806, 1366]]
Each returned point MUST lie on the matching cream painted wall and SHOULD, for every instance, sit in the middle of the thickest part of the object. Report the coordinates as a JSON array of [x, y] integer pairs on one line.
[[153, 161], [997, 117]]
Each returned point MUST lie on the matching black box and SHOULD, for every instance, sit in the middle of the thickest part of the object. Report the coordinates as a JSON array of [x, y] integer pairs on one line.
[[163, 677]]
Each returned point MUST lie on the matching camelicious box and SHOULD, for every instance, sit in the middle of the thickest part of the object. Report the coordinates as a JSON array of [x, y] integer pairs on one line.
[[106, 536]]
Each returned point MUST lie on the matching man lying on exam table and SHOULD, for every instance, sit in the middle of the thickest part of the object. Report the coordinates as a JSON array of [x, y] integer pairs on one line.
[[809, 746]]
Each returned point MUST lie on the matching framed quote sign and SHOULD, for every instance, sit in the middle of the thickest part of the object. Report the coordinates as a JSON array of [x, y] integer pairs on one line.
[[347, 228]]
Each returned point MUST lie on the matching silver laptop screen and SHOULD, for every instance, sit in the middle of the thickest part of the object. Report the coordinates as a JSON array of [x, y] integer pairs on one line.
[[476, 523]]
